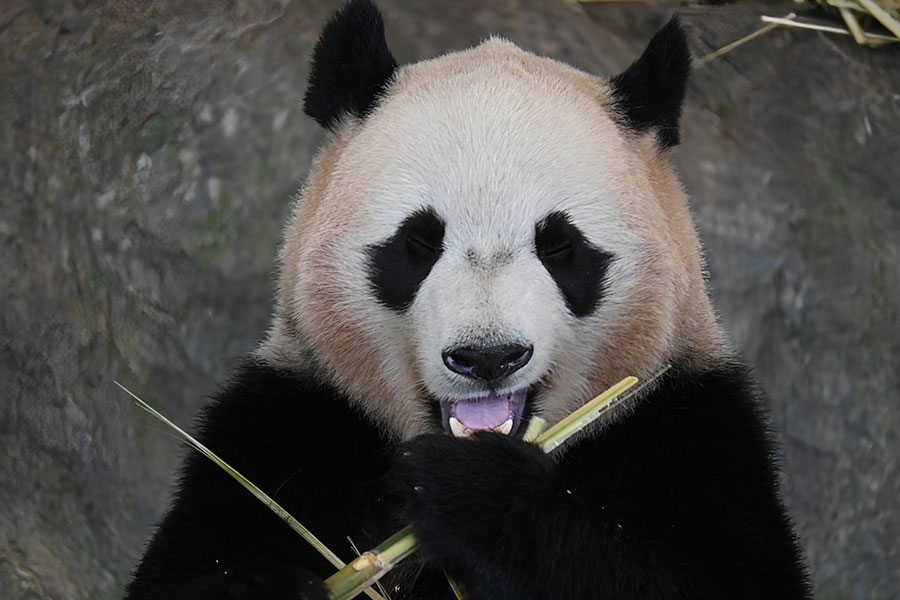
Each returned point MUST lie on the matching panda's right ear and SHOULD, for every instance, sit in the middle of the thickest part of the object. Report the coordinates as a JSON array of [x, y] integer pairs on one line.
[[351, 65]]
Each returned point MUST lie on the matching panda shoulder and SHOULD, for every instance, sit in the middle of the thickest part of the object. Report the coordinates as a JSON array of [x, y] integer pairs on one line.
[[714, 401], [717, 419], [265, 415]]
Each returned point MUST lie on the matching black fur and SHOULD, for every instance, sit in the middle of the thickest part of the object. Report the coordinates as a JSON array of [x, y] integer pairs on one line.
[[351, 65], [648, 95], [301, 443], [678, 500], [398, 266], [577, 266]]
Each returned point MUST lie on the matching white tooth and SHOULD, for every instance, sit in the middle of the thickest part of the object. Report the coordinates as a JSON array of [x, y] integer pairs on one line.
[[459, 430], [505, 428]]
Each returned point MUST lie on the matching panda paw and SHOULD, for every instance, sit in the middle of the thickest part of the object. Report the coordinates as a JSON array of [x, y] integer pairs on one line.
[[471, 500]]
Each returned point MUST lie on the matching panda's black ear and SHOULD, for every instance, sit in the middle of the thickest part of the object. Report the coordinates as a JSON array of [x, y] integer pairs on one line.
[[351, 65], [649, 93]]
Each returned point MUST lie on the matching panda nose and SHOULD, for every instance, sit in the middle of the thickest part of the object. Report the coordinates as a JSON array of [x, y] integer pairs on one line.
[[488, 363]]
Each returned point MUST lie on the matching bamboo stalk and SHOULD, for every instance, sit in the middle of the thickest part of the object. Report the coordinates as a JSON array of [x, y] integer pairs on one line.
[[578, 420], [378, 585], [883, 17], [736, 44], [456, 591], [826, 28], [371, 565], [535, 426], [853, 25]]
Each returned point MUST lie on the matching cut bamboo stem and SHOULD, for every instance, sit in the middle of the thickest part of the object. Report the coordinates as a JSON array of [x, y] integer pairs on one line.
[[535, 427], [368, 567]]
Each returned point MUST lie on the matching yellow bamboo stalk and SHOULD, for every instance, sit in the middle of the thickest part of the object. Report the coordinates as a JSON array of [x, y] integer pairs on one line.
[[581, 418], [827, 28], [853, 25], [535, 426], [883, 17], [738, 43]]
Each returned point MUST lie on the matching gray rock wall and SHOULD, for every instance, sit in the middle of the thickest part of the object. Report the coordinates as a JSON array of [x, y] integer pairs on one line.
[[148, 152]]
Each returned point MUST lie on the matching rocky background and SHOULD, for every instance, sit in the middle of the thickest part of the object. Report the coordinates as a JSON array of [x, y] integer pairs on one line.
[[148, 153]]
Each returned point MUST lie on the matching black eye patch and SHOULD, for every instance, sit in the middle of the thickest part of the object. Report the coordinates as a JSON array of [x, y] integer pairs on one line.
[[398, 266], [577, 266]]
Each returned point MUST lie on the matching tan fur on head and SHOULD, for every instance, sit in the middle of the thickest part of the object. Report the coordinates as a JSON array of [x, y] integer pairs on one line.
[[493, 138]]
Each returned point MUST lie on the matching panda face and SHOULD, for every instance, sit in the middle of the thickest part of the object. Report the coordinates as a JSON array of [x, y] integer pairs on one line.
[[488, 243], [495, 306]]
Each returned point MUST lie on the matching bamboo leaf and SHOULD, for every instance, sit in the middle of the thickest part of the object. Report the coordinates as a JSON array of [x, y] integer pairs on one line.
[[305, 533]]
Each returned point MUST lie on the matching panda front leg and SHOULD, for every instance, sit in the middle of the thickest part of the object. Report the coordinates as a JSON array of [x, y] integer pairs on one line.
[[498, 516], [495, 514], [506, 522]]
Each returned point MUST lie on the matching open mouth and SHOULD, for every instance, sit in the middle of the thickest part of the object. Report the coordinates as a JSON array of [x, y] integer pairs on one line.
[[492, 412]]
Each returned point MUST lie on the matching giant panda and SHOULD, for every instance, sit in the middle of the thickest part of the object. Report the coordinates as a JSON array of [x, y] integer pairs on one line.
[[485, 237]]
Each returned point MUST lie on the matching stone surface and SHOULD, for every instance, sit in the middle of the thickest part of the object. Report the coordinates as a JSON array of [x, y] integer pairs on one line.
[[147, 160]]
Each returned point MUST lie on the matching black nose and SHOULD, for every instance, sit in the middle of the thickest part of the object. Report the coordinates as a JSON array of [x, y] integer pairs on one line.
[[487, 363]]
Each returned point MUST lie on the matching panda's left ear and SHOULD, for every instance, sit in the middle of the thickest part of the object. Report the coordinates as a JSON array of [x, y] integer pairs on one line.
[[351, 65], [648, 95]]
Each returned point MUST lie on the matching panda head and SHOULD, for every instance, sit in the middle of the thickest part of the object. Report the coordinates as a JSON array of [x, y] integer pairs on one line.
[[488, 234]]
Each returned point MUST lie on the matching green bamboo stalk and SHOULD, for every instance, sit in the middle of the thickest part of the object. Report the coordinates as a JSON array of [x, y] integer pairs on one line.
[[456, 591], [369, 566], [583, 416]]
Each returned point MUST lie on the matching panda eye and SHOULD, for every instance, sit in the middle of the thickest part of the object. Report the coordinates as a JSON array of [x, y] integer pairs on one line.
[[424, 234], [552, 238], [561, 248], [399, 264], [576, 265], [419, 242]]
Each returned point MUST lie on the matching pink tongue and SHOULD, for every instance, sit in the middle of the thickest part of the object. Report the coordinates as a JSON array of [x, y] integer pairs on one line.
[[487, 413]]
